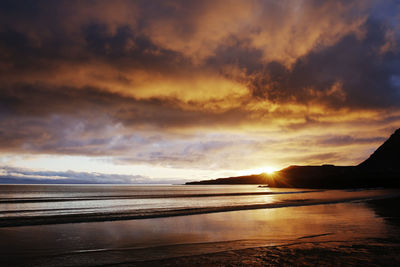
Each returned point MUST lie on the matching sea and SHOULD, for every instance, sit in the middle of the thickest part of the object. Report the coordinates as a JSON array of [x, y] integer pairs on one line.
[[96, 225]]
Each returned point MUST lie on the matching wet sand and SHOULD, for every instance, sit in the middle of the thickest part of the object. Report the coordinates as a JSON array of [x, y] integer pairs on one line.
[[381, 253], [306, 252], [345, 234]]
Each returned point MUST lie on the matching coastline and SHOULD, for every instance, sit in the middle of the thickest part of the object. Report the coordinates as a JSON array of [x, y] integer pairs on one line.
[[379, 252], [165, 213], [297, 254], [325, 243]]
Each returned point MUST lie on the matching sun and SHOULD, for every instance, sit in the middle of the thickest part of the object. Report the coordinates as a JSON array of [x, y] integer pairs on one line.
[[269, 170], [266, 170]]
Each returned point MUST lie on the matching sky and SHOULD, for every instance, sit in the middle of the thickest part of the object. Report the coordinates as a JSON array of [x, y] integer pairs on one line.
[[172, 91]]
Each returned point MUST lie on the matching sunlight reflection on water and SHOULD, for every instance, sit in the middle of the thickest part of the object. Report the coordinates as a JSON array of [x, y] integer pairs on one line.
[[202, 233], [115, 241]]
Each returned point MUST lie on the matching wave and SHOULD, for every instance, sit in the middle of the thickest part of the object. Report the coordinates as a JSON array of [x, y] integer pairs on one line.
[[158, 213], [117, 197]]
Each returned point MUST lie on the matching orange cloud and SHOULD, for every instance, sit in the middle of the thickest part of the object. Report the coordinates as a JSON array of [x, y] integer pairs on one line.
[[199, 84]]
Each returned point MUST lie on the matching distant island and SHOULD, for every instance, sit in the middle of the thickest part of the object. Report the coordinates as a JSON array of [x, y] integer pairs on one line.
[[381, 169]]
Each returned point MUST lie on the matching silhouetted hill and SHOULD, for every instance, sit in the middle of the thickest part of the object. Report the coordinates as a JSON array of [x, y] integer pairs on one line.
[[382, 168], [387, 156]]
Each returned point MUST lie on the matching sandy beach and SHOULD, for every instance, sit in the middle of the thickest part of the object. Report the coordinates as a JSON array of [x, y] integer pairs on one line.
[[199, 133], [306, 252], [381, 253], [350, 233]]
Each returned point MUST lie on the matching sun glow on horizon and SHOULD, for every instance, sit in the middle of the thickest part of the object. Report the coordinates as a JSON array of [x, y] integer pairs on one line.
[[270, 170], [267, 169]]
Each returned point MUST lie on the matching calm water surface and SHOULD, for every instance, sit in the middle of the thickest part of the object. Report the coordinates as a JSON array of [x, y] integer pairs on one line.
[[303, 216]]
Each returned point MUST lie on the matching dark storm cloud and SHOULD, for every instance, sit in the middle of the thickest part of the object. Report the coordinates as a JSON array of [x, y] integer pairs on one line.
[[122, 49], [352, 73], [108, 77], [43, 101], [42, 36], [69, 120]]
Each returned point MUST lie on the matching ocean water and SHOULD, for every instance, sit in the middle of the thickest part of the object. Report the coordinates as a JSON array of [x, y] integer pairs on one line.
[[49, 204], [75, 225]]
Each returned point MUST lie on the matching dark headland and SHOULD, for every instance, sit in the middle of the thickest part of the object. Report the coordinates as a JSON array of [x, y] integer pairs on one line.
[[381, 169]]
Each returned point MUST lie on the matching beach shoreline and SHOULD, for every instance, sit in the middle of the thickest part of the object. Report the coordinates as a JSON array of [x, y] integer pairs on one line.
[[321, 244], [379, 252], [15, 216], [383, 253]]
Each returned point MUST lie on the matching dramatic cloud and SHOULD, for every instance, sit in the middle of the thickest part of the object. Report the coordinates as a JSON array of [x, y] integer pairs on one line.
[[208, 85]]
